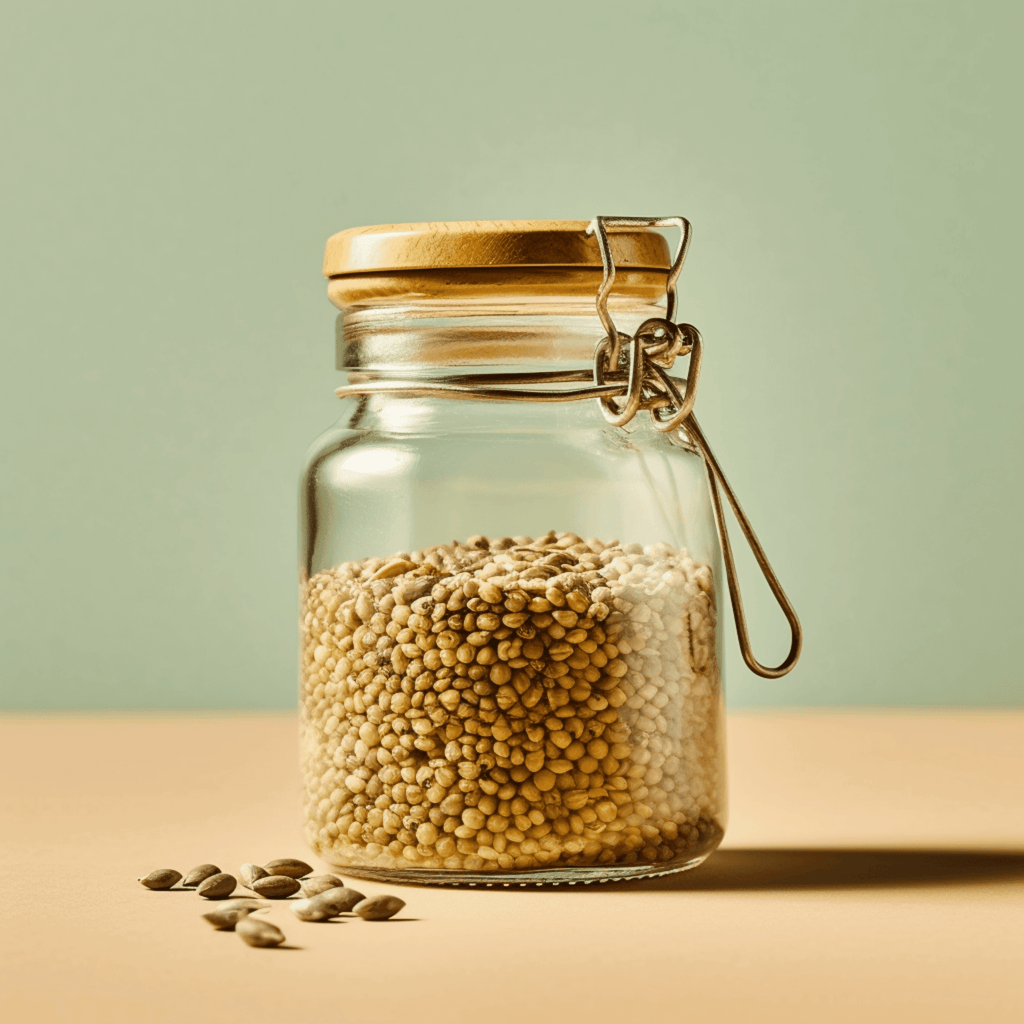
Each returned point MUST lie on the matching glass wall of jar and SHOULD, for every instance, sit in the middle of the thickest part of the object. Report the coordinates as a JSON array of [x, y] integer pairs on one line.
[[511, 660]]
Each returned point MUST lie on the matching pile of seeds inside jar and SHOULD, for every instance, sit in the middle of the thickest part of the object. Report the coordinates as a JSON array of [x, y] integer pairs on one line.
[[512, 704]]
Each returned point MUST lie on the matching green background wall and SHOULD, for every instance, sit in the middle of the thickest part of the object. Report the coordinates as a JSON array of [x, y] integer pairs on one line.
[[170, 172]]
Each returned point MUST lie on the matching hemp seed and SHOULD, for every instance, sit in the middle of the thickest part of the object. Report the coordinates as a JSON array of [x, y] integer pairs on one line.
[[225, 920], [288, 866], [250, 872], [199, 874], [312, 909], [254, 932], [316, 884], [217, 886], [340, 899], [378, 908], [164, 878], [244, 903], [275, 887]]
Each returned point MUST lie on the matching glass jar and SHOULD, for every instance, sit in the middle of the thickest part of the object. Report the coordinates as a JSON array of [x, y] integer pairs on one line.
[[511, 654]]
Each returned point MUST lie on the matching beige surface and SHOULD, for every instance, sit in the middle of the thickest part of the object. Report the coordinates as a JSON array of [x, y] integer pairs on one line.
[[873, 871]]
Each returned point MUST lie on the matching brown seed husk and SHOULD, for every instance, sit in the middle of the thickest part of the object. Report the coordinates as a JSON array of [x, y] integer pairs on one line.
[[244, 903], [276, 887], [312, 910], [378, 908], [217, 886], [225, 920], [250, 872], [316, 884], [259, 933], [163, 878], [199, 874], [288, 866], [341, 899]]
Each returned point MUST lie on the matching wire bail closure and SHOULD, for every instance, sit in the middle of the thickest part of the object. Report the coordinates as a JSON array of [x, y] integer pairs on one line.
[[655, 346], [630, 373], [645, 357]]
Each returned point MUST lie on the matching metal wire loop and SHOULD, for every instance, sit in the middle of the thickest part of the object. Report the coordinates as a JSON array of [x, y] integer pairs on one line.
[[600, 227], [717, 478]]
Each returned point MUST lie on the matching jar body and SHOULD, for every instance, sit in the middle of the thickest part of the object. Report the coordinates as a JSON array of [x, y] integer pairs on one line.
[[510, 648]]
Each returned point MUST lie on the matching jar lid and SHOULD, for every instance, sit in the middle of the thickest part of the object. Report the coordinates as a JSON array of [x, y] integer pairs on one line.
[[487, 259]]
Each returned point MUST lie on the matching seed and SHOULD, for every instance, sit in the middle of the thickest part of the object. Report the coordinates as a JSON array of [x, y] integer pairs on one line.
[[199, 874], [574, 799], [276, 887], [288, 866], [244, 903], [254, 932], [473, 818], [452, 805], [533, 649], [426, 834], [248, 873], [224, 920], [393, 568], [414, 589], [311, 910], [316, 884], [217, 886], [162, 879], [378, 908], [340, 900]]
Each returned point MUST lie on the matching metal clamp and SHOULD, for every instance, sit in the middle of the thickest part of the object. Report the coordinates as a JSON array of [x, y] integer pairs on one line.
[[650, 352], [630, 374], [657, 343]]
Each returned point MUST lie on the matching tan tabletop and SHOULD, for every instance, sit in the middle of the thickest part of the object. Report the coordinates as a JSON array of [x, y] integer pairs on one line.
[[873, 871]]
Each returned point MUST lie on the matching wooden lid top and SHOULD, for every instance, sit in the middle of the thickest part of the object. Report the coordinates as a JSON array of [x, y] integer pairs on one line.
[[487, 243], [394, 257]]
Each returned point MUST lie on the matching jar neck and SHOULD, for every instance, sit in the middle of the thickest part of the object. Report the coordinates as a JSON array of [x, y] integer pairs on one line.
[[423, 341]]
